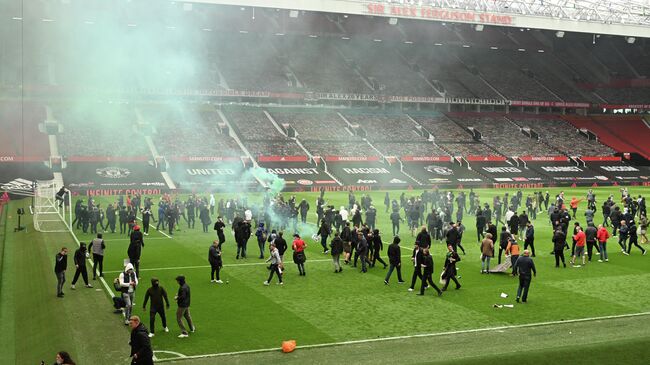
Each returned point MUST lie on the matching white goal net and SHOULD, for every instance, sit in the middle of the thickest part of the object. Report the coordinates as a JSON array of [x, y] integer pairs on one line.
[[51, 214]]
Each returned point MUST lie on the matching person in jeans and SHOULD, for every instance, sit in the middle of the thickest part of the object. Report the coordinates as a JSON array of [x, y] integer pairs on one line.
[[183, 311], [395, 260], [128, 282], [602, 235], [60, 265], [525, 266], [276, 264], [487, 252], [97, 247], [336, 250]]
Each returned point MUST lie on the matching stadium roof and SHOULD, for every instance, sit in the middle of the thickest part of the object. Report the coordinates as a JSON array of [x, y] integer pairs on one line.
[[624, 18]]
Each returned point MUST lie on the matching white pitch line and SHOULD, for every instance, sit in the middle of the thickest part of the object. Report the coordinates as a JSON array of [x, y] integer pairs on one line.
[[128, 239], [422, 335], [159, 231], [227, 265], [101, 279]]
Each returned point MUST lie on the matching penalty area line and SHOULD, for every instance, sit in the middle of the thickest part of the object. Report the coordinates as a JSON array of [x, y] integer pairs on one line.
[[159, 231], [422, 335]]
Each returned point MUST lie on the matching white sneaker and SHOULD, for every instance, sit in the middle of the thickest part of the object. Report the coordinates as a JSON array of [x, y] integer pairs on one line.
[[218, 281], [266, 283], [183, 335], [410, 289], [193, 329], [151, 335], [600, 260], [89, 286], [73, 287], [213, 281], [625, 253], [606, 260], [166, 329], [282, 283]]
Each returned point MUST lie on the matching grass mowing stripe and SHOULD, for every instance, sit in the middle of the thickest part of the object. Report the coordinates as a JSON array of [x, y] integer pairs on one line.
[[435, 334], [207, 266]]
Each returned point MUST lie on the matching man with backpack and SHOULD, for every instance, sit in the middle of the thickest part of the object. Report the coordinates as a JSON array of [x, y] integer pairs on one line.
[[126, 284]]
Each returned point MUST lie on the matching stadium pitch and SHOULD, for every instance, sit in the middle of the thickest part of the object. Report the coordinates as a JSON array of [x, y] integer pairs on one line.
[[594, 313]]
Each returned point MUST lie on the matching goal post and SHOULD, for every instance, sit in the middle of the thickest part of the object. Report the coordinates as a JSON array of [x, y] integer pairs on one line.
[[50, 214]]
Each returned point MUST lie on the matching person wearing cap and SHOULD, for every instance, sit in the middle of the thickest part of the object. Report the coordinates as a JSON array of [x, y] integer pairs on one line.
[[135, 248], [299, 257], [157, 294], [128, 281], [524, 266], [183, 311], [80, 264]]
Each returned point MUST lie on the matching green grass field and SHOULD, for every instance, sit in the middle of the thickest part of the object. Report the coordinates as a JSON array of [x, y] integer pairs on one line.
[[325, 308]]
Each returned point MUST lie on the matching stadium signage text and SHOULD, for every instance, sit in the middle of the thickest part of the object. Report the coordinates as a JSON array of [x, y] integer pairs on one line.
[[194, 172], [428, 12], [6, 158], [619, 168], [501, 169], [293, 171], [561, 169], [105, 192], [365, 170]]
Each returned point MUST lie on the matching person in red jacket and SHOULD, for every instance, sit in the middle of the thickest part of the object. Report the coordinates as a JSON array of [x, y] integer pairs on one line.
[[602, 235], [581, 240], [574, 205], [299, 257]]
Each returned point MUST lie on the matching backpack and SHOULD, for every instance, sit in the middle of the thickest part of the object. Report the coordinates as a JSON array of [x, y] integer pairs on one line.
[[116, 284]]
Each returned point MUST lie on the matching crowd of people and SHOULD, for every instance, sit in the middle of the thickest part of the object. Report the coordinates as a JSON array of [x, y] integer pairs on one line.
[[350, 234]]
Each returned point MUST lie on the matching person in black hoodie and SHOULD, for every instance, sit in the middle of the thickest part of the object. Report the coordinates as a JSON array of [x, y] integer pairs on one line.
[[242, 234], [427, 272], [183, 311], [80, 264], [135, 249], [504, 237], [423, 239], [379, 246], [417, 259], [337, 250], [214, 258], [219, 225], [141, 351], [280, 244], [60, 265], [157, 294], [395, 260]]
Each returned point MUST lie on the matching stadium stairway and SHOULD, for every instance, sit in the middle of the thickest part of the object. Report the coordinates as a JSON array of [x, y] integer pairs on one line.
[[627, 127]]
